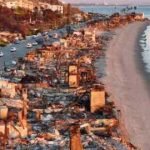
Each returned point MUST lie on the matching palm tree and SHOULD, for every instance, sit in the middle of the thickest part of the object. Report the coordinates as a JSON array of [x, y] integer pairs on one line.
[[35, 12], [135, 8], [123, 10]]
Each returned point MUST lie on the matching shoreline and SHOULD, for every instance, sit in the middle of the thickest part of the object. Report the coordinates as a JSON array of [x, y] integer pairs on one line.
[[21, 46], [67, 70], [139, 58], [116, 71]]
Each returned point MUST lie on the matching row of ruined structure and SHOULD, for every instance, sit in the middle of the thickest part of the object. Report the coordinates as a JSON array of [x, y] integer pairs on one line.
[[52, 98]]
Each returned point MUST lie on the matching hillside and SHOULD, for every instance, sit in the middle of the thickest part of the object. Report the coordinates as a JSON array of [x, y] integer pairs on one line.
[[54, 2], [25, 21]]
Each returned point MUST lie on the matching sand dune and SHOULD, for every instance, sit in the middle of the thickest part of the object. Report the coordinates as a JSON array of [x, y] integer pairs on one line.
[[127, 82]]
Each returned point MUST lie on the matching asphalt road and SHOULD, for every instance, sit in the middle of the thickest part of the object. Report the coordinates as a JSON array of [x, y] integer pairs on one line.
[[21, 49]]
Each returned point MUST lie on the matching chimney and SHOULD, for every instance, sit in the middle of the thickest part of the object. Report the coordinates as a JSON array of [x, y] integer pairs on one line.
[[97, 100], [24, 94], [75, 138]]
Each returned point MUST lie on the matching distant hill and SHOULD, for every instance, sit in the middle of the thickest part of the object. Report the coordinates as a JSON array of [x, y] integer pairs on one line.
[[54, 2]]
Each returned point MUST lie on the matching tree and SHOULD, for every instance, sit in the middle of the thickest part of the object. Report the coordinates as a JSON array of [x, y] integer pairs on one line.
[[23, 29], [35, 13]]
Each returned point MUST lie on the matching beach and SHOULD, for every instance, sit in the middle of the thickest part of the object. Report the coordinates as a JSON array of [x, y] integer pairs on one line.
[[127, 82]]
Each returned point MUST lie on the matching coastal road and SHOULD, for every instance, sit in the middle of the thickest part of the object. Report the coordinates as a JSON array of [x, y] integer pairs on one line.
[[127, 82], [21, 49]]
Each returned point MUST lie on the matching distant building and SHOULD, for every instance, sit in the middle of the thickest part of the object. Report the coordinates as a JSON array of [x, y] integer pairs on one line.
[[58, 8], [78, 17], [29, 4], [139, 16], [1, 2]]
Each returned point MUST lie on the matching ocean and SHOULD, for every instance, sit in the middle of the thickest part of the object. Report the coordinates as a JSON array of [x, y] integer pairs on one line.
[[145, 45], [145, 37], [112, 9]]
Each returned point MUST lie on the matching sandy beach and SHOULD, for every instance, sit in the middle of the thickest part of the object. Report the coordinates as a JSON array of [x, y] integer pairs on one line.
[[126, 80]]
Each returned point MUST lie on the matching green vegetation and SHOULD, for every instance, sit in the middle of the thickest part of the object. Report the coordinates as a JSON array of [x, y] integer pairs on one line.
[[2, 43], [26, 22]]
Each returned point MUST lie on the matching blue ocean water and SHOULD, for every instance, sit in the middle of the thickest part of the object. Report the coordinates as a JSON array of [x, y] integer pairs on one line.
[[112, 9], [145, 45], [145, 37]]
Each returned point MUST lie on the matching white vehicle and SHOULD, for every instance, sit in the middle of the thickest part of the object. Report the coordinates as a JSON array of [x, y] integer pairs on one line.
[[1, 54], [46, 37], [29, 45], [34, 43], [14, 62], [55, 36], [13, 49], [34, 36], [46, 33], [16, 42]]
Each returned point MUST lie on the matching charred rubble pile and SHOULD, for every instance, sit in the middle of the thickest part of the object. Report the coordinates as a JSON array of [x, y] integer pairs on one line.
[[53, 99]]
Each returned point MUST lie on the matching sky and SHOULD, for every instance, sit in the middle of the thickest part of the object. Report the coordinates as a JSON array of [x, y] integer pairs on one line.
[[134, 2]]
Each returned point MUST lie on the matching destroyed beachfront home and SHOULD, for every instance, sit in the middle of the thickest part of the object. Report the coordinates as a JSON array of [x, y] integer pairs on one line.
[[57, 101]]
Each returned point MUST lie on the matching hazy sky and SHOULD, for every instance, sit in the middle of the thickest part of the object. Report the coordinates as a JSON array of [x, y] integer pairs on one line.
[[135, 2]]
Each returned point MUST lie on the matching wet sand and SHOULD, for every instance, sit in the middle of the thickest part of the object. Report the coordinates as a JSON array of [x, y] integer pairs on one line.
[[127, 82]]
